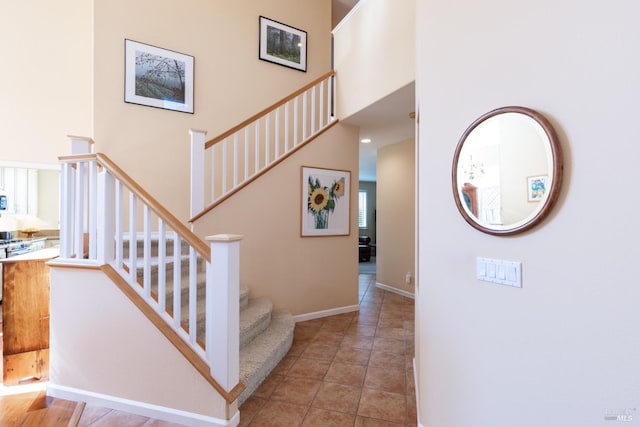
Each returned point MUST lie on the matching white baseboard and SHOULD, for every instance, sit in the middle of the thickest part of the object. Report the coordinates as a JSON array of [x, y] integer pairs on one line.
[[325, 313], [395, 290], [415, 383], [140, 408]]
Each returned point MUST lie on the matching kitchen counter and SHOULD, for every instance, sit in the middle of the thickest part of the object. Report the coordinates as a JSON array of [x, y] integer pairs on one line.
[[16, 247], [47, 254]]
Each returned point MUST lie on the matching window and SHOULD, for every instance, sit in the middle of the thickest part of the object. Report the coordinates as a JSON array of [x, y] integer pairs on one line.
[[362, 209]]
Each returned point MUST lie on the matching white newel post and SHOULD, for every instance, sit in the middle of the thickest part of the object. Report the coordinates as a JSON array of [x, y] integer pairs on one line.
[[80, 144], [223, 309], [197, 170]]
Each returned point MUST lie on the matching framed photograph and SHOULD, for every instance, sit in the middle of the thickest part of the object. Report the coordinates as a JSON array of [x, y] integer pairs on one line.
[[325, 202], [158, 77], [536, 187], [282, 44]]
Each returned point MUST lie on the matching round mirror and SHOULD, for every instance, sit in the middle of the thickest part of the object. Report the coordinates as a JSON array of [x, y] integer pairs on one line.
[[507, 171]]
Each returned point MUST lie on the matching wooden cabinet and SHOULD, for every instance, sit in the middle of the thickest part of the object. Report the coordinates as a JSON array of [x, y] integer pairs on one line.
[[25, 316]]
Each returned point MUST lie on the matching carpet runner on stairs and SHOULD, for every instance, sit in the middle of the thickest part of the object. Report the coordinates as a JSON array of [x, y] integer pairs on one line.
[[265, 335]]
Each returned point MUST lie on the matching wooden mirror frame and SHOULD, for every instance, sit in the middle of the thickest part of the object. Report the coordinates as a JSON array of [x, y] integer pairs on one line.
[[557, 165]]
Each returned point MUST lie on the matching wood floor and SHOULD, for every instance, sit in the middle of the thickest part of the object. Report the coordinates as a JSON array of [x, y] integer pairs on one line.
[[28, 405], [35, 409]]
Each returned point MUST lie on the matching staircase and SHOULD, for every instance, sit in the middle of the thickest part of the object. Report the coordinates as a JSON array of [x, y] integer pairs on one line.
[[190, 300], [265, 338], [265, 335]]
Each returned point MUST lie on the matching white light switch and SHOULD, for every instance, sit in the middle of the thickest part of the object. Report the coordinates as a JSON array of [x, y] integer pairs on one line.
[[499, 271], [491, 269]]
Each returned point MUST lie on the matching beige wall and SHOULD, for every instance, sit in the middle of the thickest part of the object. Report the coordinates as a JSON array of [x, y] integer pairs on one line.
[[395, 249], [46, 78], [302, 274], [231, 83], [375, 52], [87, 356], [563, 350]]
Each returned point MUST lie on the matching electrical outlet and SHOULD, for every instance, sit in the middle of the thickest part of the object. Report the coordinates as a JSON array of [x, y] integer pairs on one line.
[[407, 278]]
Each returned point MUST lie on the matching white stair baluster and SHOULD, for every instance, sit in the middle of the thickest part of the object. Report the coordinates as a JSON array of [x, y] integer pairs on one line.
[[266, 139], [119, 224], [313, 110], [295, 121], [193, 295], [246, 152], [177, 291], [235, 160], [133, 241], [276, 135], [106, 218], [146, 266], [213, 173], [321, 106], [162, 271], [304, 116]]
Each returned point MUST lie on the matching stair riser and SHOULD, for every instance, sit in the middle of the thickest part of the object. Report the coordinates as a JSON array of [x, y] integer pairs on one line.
[[254, 319], [259, 358], [169, 268], [169, 248]]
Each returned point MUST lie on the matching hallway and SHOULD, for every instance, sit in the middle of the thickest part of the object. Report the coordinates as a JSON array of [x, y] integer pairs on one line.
[[353, 369]]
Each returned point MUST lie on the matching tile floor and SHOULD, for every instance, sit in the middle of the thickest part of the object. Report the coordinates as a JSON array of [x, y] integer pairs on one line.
[[353, 369]]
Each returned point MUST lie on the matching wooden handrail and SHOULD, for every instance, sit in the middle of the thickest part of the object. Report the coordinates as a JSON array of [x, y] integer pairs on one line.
[[209, 207], [199, 245], [267, 110], [196, 361], [76, 157]]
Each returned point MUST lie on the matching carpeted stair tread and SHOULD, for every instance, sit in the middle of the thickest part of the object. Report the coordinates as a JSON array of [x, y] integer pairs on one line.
[[260, 356], [254, 319], [265, 335], [169, 246]]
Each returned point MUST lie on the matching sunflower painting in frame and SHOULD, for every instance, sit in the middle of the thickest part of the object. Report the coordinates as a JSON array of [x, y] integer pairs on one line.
[[325, 202]]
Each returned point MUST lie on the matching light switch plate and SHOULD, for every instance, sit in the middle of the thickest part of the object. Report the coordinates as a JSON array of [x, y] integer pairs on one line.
[[499, 271]]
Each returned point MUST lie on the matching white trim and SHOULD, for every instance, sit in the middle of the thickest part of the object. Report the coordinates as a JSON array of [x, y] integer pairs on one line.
[[140, 408], [325, 313], [415, 386], [395, 290], [26, 165], [347, 16], [12, 390], [74, 262]]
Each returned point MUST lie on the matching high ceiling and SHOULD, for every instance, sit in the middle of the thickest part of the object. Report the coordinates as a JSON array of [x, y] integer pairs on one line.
[[339, 8], [385, 122]]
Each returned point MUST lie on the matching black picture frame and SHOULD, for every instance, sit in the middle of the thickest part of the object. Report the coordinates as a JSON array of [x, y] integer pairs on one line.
[[283, 44], [158, 77]]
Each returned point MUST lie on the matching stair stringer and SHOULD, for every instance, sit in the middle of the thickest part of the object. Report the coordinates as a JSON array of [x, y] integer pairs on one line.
[[264, 338]]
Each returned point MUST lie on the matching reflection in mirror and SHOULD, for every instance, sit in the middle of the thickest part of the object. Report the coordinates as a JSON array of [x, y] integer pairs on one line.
[[507, 170]]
